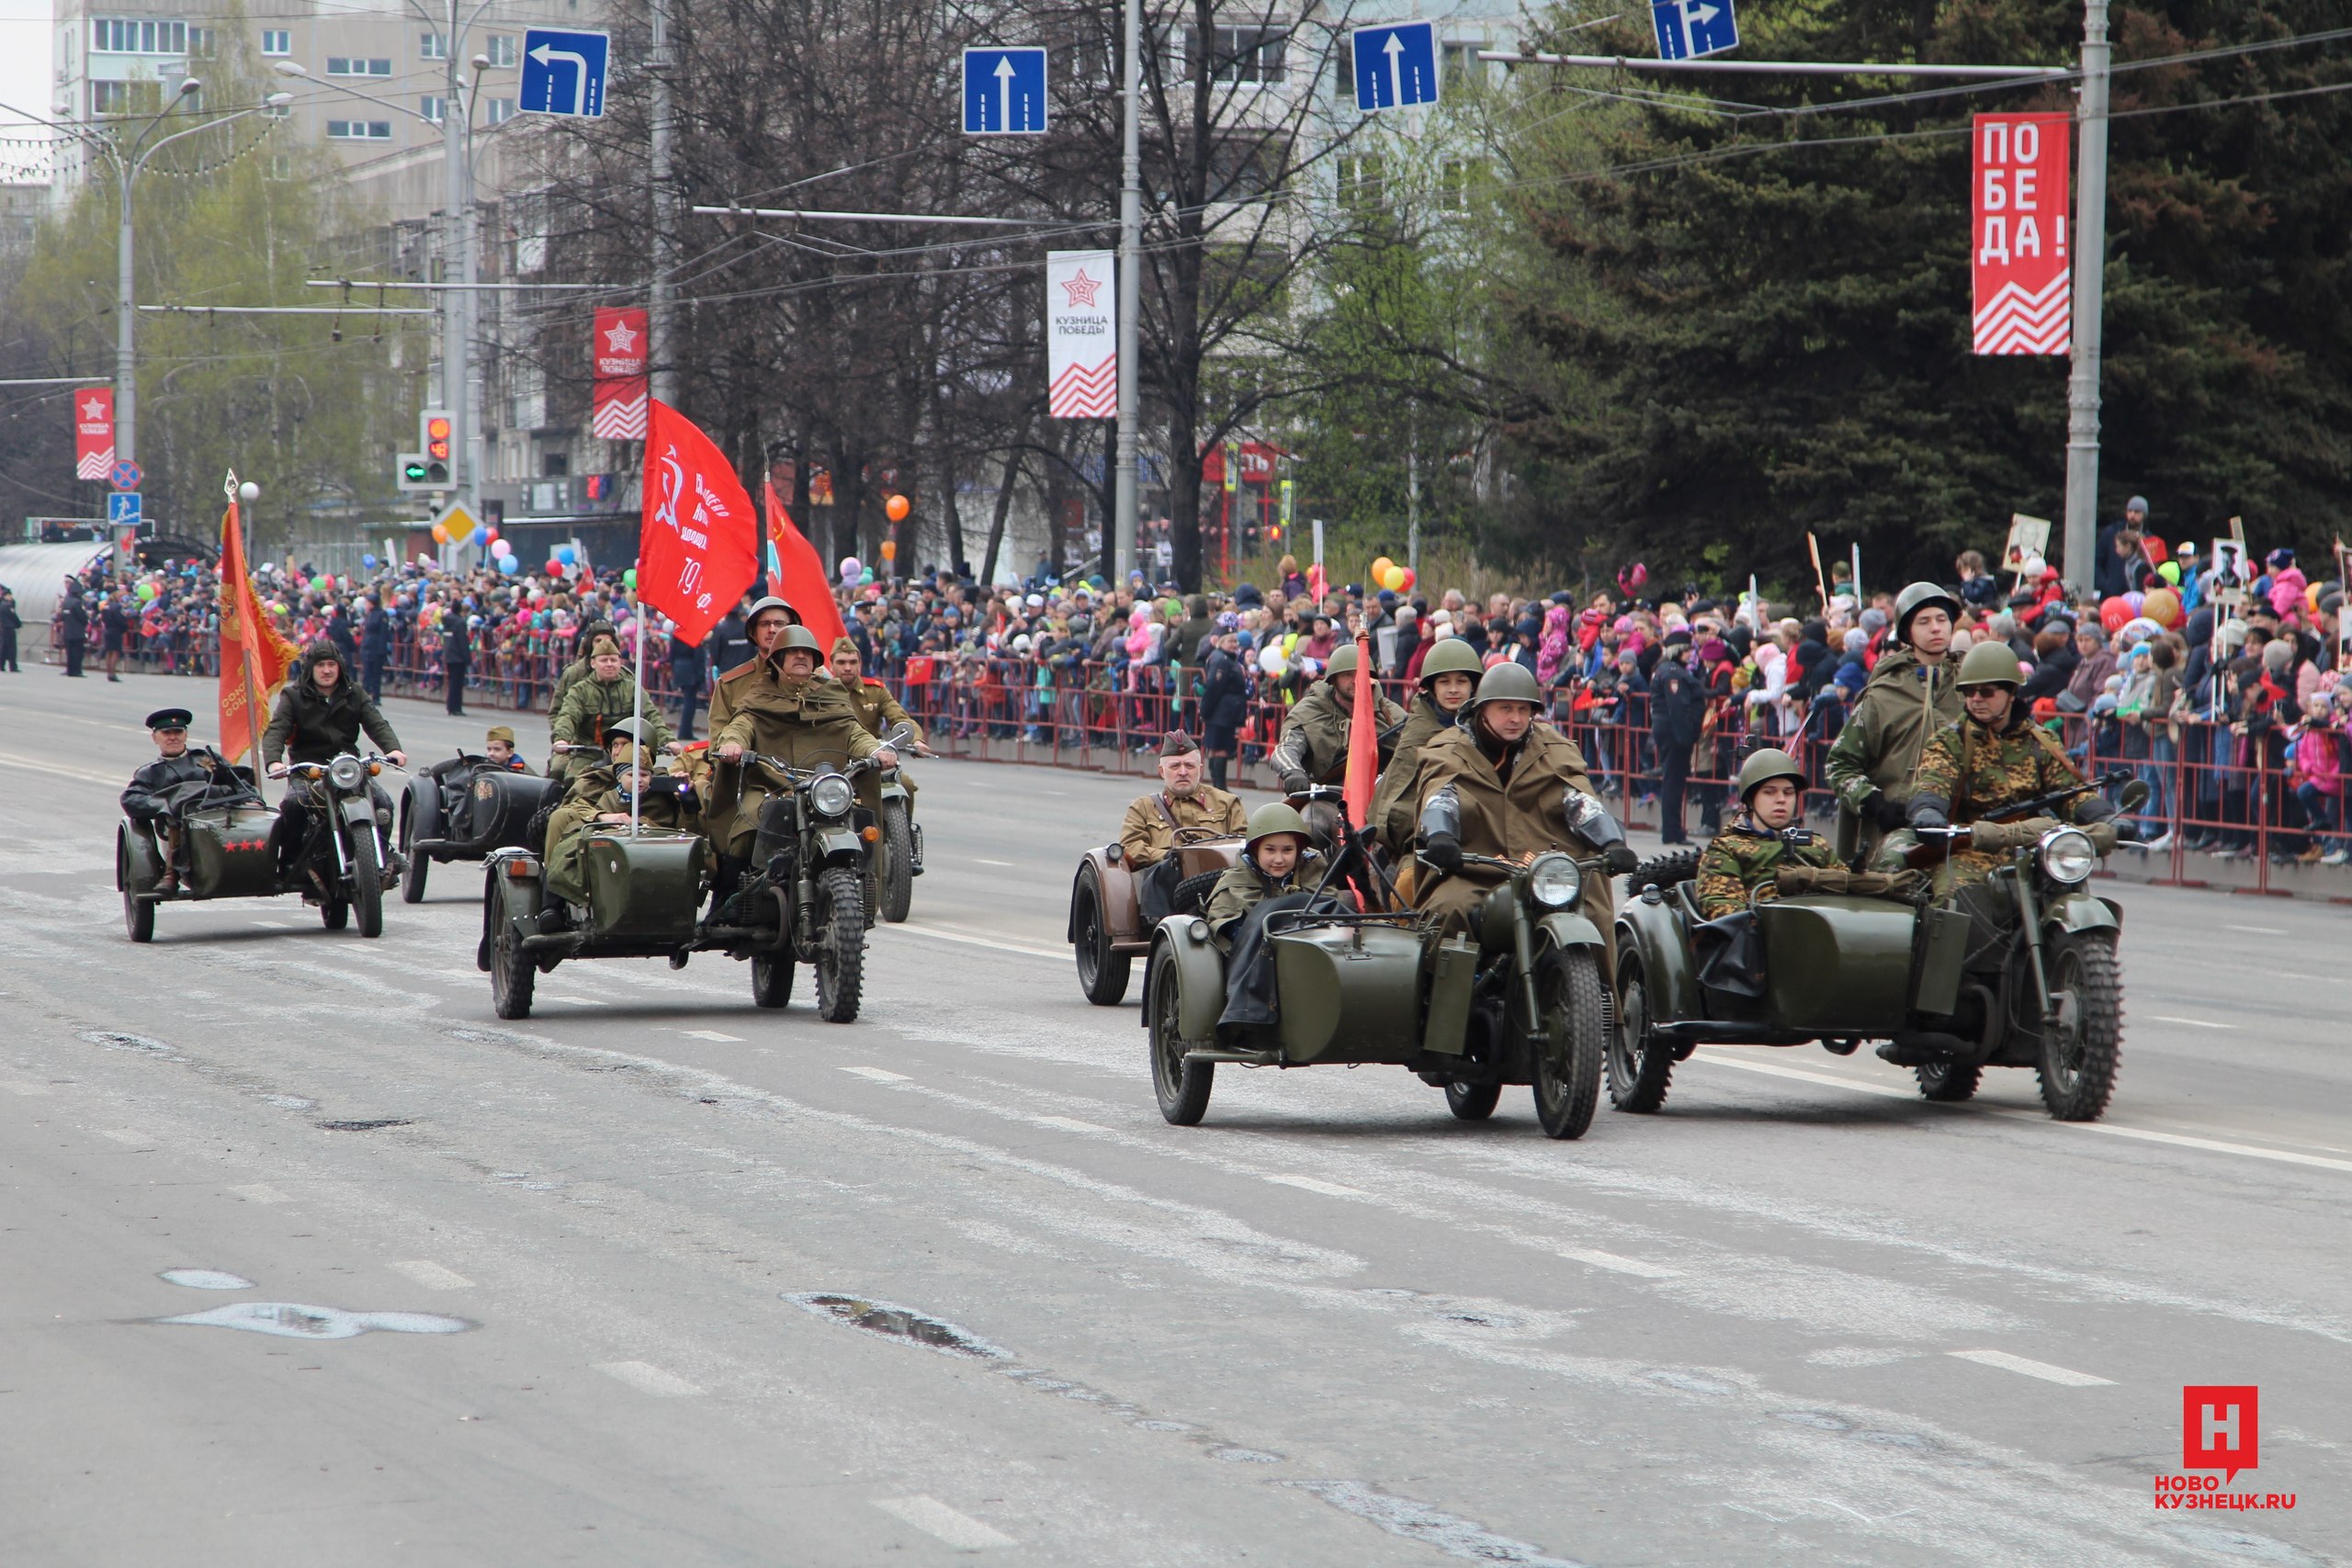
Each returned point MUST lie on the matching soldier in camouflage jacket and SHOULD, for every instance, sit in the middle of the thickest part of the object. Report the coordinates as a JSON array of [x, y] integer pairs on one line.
[[1742, 861]]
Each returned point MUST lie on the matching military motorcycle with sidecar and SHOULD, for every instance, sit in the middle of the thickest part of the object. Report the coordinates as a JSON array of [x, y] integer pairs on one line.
[[465, 809], [2017, 971], [803, 902], [1106, 924]]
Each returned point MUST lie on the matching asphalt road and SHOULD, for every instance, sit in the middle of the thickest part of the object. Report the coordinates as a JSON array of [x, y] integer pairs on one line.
[[1802, 1316]]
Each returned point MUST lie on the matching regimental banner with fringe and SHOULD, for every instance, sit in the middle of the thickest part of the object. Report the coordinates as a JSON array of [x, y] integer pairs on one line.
[[619, 402], [255, 658], [93, 432], [2017, 234], [1081, 334]]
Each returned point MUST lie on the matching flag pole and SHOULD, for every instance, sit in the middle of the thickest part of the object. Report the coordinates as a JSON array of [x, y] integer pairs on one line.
[[255, 728], [637, 741]]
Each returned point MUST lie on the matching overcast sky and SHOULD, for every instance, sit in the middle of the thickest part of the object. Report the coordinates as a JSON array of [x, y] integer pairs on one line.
[[24, 66]]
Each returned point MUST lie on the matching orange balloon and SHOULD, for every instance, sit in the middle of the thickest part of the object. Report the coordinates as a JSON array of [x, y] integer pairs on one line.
[[1380, 568], [896, 508], [440, 533], [890, 549]]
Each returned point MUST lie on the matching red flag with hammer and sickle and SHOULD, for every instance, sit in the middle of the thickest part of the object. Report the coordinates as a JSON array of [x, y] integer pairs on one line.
[[698, 549]]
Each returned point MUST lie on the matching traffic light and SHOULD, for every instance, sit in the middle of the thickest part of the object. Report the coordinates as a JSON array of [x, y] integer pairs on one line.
[[427, 469], [434, 437]]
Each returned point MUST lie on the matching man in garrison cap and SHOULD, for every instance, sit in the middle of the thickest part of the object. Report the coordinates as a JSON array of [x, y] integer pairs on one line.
[[1147, 836]]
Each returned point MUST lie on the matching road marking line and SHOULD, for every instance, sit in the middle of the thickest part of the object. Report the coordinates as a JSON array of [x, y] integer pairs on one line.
[[260, 1193], [712, 1034], [578, 1002], [1071, 1125], [29, 764], [2041, 1370], [1833, 1079], [273, 925], [990, 942], [2259, 930], [936, 1519], [432, 1276], [2193, 1022], [1632, 1266], [1006, 864], [28, 1088], [126, 1136], [879, 1074], [1316, 1184], [647, 1378]]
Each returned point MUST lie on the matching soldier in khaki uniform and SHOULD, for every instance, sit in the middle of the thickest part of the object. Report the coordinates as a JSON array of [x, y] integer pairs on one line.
[[789, 712], [1147, 836], [1449, 674], [600, 796], [876, 708], [765, 626], [591, 707], [1909, 698], [1313, 744], [1507, 778], [1275, 860], [1739, 866], [580, 669]]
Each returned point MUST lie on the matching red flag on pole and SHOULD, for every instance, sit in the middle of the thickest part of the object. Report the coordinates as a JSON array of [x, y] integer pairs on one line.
[[797, 576], [255, 658], [1364, 738], [698, 547]]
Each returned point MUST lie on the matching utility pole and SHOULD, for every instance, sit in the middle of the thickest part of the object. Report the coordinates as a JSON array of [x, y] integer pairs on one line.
[[2081, 538], [1123, 522], [661, 350], [458, 266]]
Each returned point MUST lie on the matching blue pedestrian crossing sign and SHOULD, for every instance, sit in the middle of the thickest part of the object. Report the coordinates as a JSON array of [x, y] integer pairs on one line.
[[1692, 30], [122, 507], [1004, 92], [1396, 66], [563, 73]]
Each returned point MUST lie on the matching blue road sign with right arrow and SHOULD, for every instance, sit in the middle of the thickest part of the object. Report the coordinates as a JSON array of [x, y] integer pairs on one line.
[[563, 73], [1692, 30], [1004, 92], [1396, 66]]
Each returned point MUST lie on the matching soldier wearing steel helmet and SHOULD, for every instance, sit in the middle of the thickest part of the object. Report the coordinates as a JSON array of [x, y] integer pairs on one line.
[[1740, 865], [1909, 698], [1314, 745], [1993, 756], [1498, 786], [1449, 675], [1276, 858], [765, 627], [794, 714], [608, 794]]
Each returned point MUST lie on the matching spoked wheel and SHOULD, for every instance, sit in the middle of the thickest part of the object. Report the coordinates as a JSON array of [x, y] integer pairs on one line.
[[1472, 1101], [137, 916], [1182, 1086], [840, 943], [1101, 974], [419, 866], [1570, 1041], [334, 912], [367, 884], [1949, 1082], [2081, 1049], [1640, 1063], [512, 973], [898, 864]]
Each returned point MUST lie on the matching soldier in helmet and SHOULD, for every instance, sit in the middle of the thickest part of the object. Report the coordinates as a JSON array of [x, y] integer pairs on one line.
[[592, 706], [765, 627], [607, 795], [1993, 756], [1909, 698], [1740, 864], [1275, 860], [1314, 745], [1449, 674], [1498, 785]]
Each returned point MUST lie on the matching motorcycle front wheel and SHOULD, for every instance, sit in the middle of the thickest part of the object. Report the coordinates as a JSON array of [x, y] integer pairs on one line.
[[1569, 1040], [367, 884], [2080, 1054], [840, 943]]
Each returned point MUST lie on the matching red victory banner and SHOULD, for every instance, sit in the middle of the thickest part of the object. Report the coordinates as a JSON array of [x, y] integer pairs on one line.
[[698, 547], [797, 577], [617, 408], [92, 432], [255, 658], [2018, 234]]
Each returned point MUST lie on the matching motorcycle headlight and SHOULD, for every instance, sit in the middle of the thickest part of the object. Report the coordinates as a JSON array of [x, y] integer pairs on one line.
[[831, 796], [2067, 855], [1555, 881], [344, 773]]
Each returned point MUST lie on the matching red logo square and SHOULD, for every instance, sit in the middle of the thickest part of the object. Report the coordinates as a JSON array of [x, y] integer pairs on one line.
[[2219, 1427]]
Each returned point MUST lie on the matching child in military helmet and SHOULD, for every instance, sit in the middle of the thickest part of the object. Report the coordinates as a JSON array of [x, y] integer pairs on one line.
[[1740, 863], [1275, 859]]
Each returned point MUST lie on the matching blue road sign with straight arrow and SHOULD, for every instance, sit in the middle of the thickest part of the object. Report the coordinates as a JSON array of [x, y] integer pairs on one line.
[[1396, 66], [563, 73], [1004, 92], [1692, 30]]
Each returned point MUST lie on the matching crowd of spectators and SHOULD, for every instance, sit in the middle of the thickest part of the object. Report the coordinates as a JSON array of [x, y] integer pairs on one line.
[[2221, 688]]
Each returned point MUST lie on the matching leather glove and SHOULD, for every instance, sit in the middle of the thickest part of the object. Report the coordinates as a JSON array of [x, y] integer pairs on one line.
[[1297, 784], [2102, 836], [1887, 813], [1925, 817], [1619, 858], [1443, 851]]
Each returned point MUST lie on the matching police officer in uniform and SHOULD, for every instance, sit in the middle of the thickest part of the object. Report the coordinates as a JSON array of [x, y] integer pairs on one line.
[[148, 800], [1909, 698]]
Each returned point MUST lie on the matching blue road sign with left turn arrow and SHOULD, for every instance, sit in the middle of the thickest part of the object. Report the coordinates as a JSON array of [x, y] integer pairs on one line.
[[1692, 30], [1004, 92], [563, 73], [1396, 66]]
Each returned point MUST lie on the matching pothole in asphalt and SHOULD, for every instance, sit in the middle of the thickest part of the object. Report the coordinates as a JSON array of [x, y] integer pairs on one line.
[[292, 1320], [371, 1124], [115, 1039], [894, 1322], [1431, 1526], [205, 1280]]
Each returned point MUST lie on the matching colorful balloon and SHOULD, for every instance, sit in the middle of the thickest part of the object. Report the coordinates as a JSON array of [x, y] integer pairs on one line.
[[368, 561], [1410, 577], [440, 533], [508, 564], [2135, 599], [1392, 579], [851, 567], [1380, 568], [147, 591], [2114, 612], [891, 547], [2163, 606], [896, 509], [566, 554], [628, 579], [555, 565]]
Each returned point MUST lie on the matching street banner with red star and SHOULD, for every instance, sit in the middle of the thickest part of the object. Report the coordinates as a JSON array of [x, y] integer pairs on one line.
[[2017, 237], [92, 432], [1081, 334], [617, 411]]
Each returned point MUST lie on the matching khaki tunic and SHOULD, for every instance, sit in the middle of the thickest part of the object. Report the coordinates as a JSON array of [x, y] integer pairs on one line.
[[594, 791], [807, 723], [1315, 735], [1513, 820], [1903, 703], [594, 706], [1392, 803], [1243, 887], [1145, 836], [880, 712]]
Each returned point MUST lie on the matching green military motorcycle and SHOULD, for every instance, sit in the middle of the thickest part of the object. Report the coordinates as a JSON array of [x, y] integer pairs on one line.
[[465, 807], [803, 903], [1524, 1000], [2019, 971]]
